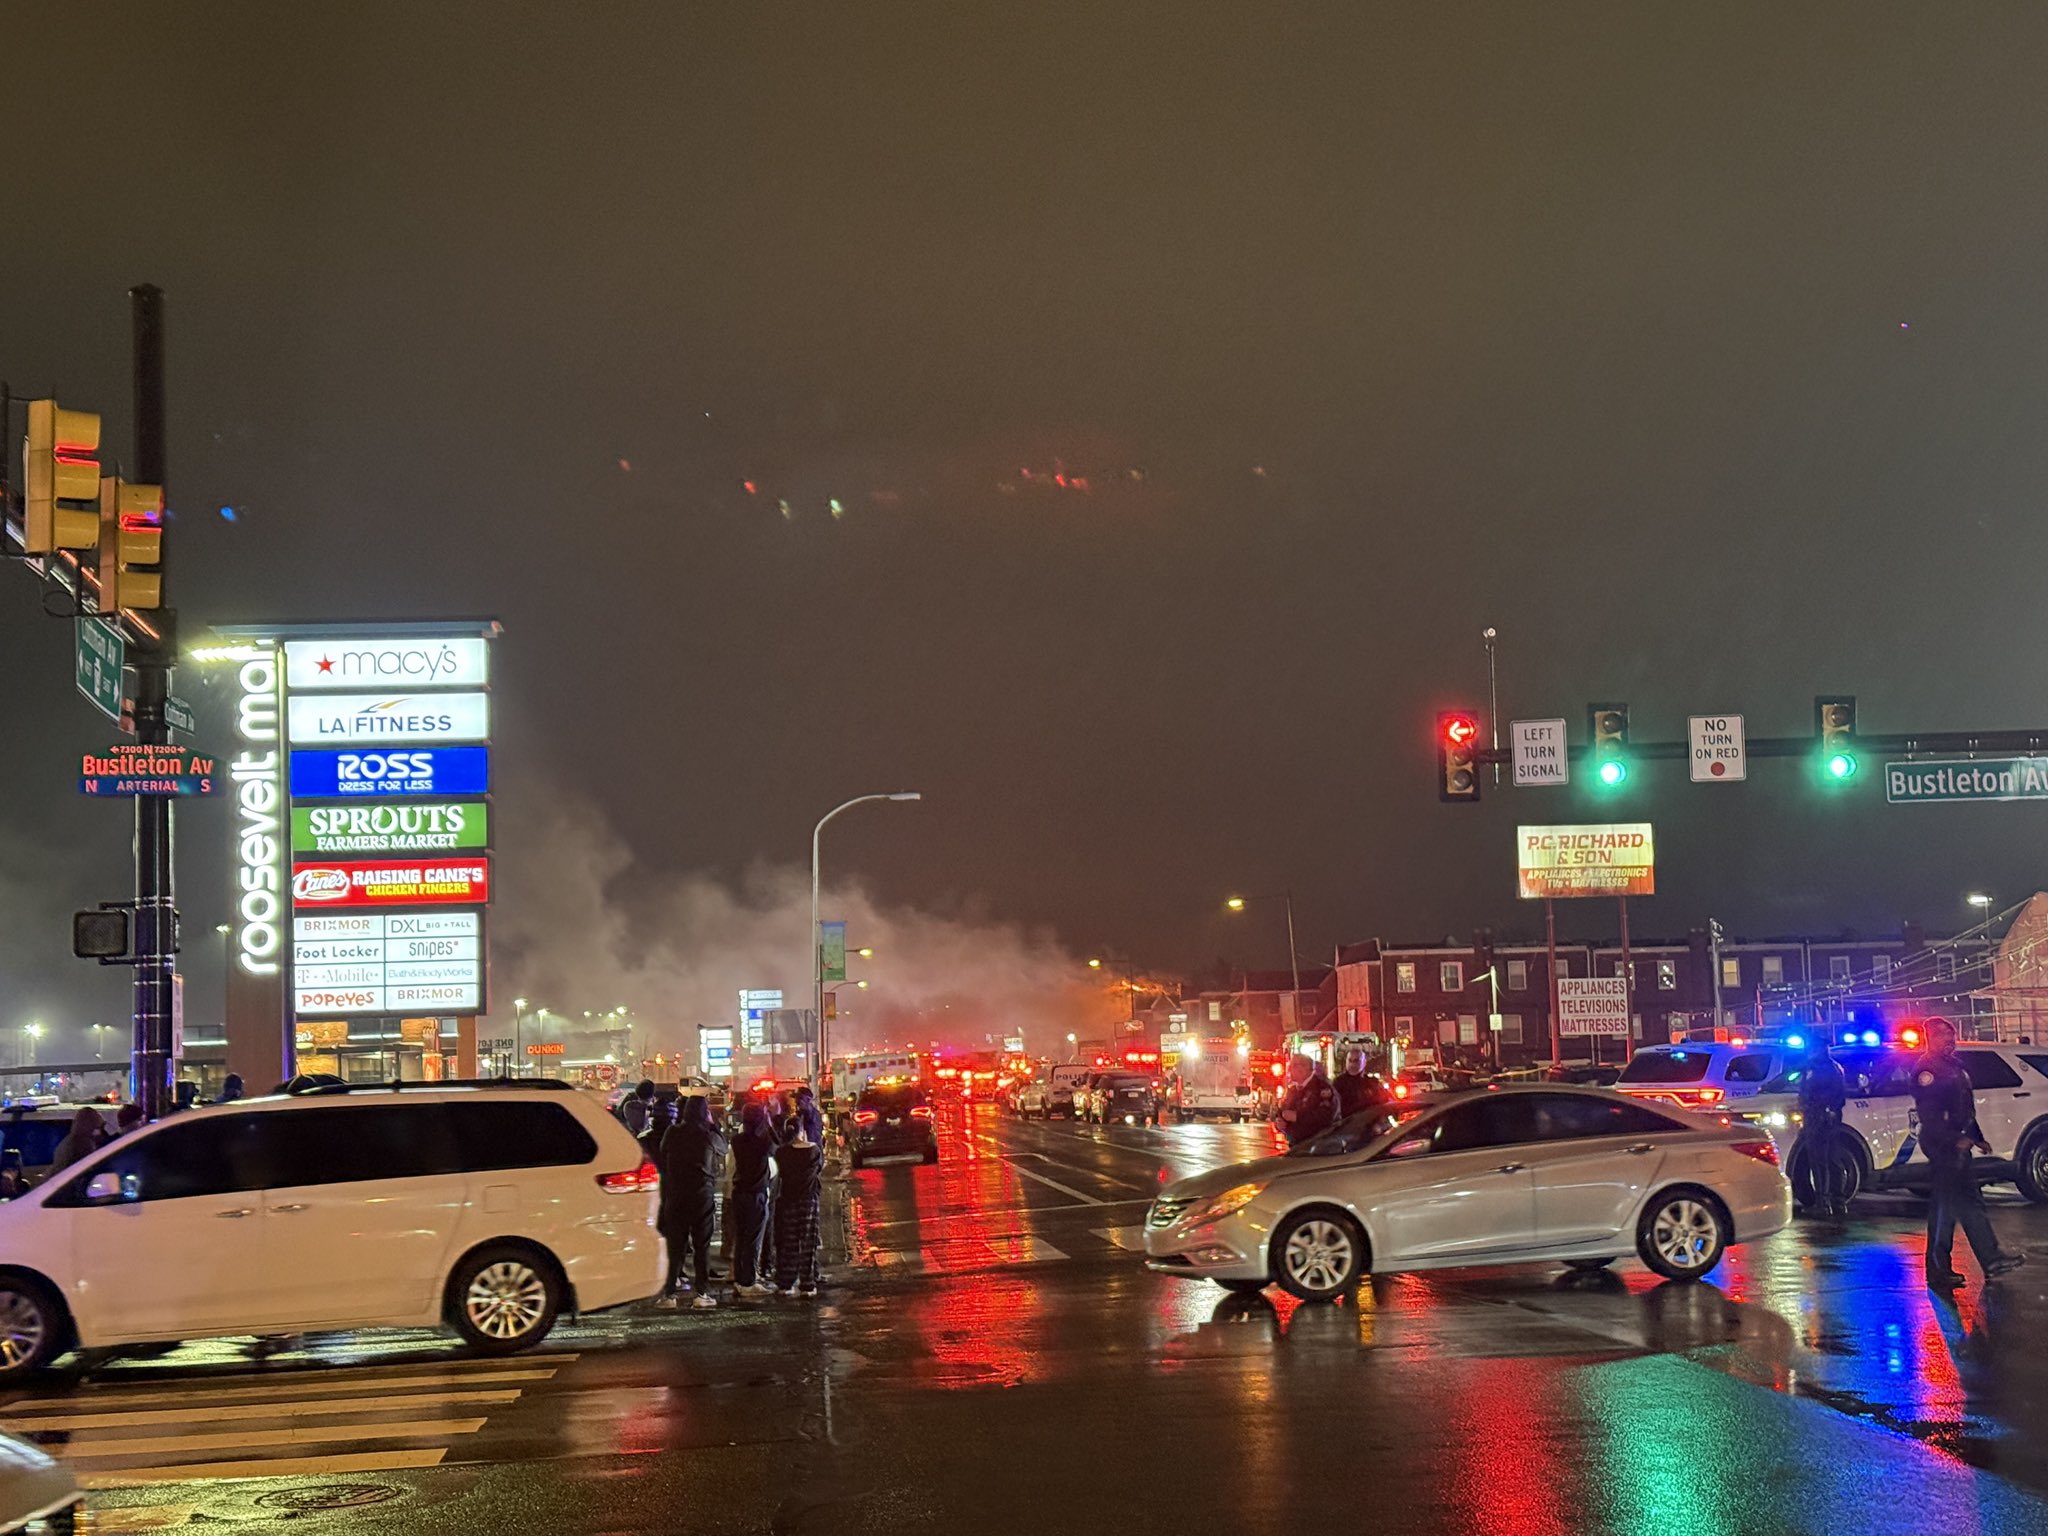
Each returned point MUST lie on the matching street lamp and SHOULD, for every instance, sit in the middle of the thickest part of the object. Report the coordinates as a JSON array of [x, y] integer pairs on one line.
[[1237, 904], [866, 951], [33, 1030], [818, 949], [518, 1033], [99, 1040]]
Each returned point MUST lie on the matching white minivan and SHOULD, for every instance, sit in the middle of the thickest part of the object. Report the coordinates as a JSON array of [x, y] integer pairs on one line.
[[489, 1207]]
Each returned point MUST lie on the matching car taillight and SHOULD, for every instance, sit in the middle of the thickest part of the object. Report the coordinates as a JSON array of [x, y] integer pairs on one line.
[[864, 1117], [920, 1111], [646, 1176], [1765, 1151], [1400, 1090], [1711, 1095]]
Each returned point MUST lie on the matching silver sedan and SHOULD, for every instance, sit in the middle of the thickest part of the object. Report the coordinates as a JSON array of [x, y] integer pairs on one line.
[[1508, 1175]]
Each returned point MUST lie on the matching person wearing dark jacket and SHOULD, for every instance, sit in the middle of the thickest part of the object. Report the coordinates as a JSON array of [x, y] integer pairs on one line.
[[692, 1157], [87, 1134], [1356, 1088], [1820, 1171], [802, 1161], [753, 1152], [1310, 1105], [1947, 1104]]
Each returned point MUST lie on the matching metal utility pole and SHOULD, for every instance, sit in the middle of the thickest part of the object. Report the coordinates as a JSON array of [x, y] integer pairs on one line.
[[155, 906], [1490, 635], [1550, 944], [1714, 961], [1628, 991]]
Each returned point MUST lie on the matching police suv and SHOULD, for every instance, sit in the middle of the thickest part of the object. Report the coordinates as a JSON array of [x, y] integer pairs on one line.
[[2011, 1084]]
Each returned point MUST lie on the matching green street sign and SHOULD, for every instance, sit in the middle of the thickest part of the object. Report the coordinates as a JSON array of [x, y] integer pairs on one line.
[[1968, 780], [100, 652], [428, 828], [178, 715]]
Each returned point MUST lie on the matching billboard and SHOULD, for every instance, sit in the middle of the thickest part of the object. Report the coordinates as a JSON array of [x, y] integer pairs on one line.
[[1608, 860], [342, 775], [390, 882], [376, 962], [398, 662], [385, 827], [1592, 1005], [311, 720]]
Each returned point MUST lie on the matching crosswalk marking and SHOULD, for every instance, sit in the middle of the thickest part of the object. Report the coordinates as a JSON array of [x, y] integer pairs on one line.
[[218, 1413], [270, 1424], [297, 1434], [1129, 1238], [302, 1466]]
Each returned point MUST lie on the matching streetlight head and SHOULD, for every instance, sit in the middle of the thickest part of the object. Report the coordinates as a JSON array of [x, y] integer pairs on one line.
[[1071, 1037], [1235, 904], [518, 1002], [1978, 899], [1094, 965], [866, 951], [862, 985], [906, 794]]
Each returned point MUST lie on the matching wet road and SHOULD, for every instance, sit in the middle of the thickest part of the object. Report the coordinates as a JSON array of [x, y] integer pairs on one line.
[[990, 1355]]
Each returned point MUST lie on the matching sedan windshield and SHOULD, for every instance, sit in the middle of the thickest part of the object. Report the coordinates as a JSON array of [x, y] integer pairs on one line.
[[1667, 1067], [1356, 1133]]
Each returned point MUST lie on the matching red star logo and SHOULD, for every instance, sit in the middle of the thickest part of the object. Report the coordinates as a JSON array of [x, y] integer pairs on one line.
[[326, 665]]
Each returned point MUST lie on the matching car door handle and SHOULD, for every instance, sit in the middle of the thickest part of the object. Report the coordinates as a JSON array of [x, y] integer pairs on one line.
[[1509, 1168], [246, 1210], [1641, 1147], [2024, 1093], [296, 1205]]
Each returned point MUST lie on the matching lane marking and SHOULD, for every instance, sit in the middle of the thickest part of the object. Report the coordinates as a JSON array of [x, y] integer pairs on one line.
[[940, 1222], [228, 1412], [1131, 1239], [249, 1439], [1065, 1189], [300, 1466], [316, 1381]]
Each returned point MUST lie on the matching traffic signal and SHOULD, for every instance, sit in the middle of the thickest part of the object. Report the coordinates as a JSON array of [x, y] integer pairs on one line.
[[60, 479], [1607, 731], [1457, 756], [131, 545], [1834, 722]]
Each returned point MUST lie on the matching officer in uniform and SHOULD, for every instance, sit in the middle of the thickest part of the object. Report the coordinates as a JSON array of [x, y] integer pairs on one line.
[[1818, 1157], [1949, 1134]]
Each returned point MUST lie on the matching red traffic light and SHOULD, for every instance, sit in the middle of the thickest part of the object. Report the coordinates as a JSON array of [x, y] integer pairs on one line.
[[1460, 730]]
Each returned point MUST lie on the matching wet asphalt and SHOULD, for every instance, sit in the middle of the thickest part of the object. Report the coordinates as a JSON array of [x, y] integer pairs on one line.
[[989, 1355]]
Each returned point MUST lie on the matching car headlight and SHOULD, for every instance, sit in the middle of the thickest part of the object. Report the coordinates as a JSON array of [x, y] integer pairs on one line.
[[1229, 1203]]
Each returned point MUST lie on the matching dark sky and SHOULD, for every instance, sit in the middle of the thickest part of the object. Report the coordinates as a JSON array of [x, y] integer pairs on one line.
[[1701, 350]]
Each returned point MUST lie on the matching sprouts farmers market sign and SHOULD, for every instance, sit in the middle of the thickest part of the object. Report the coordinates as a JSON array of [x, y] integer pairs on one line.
[[1984, 780], [1610, 860], [389, 828]]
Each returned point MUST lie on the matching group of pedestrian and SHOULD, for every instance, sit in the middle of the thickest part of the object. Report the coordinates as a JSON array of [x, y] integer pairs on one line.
[[1823, 1170], [776, 1151], [1313, 1103]]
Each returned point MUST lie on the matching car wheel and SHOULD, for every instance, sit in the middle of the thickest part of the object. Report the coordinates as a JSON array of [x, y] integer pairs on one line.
[[504, 1298], [31, 1326], [1318, 1255], [1682, 1234], [1587, 1266]]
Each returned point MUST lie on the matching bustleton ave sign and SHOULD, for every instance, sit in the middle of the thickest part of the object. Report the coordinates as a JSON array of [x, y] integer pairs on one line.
[[1949, 781]]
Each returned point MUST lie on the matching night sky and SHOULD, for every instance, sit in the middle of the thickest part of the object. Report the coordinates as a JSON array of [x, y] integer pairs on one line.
[[1702, 351]]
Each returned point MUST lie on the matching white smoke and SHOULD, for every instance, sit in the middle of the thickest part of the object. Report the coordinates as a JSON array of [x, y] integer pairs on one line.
[[577, 926]]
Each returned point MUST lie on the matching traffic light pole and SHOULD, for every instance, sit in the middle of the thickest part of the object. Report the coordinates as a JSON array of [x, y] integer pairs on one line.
[[155, 907], [1905, 743]]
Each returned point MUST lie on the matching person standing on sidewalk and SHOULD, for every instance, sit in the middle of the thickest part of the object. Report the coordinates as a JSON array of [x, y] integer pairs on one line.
[[691, 1156], [1949, 1134], [753, 1152], [802, 1160]]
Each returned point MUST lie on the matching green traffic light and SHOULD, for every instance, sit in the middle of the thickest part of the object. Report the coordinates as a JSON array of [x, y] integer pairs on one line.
[[1613, 771], [1841, 766]]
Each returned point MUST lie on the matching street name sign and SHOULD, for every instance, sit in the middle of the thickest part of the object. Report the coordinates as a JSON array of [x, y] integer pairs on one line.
[[1720, 751], [99, 653], [1980, 780], [1592, 1005], [132, 768], [178, 715], [1540, 752]]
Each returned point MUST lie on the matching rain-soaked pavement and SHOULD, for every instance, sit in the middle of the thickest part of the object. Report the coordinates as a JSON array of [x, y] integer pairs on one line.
[[990, 1356]]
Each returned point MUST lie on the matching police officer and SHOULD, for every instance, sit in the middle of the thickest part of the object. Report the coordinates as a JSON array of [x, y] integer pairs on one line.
[[1310, 1105], [1948, 1134], [1818, 1155]]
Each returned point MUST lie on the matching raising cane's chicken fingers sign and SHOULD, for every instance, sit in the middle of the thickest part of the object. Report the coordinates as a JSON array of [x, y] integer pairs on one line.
[[392, 883]]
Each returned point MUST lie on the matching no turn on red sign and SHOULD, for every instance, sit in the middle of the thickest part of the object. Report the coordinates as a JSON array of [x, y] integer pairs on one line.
[[1719, 753]]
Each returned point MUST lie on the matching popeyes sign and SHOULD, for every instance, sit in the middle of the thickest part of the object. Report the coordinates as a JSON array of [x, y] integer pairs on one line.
[[392, 883], [1611, 860]]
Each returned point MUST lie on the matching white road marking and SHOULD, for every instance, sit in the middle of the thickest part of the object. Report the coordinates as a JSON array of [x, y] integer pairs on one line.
[[1130, 1238], [298, 1434], [297, 1384], [220, 1413], [299, 1466]]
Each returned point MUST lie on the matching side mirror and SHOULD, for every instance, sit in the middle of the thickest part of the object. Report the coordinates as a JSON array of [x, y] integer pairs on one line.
[[1412, 1147], [112, 1188]]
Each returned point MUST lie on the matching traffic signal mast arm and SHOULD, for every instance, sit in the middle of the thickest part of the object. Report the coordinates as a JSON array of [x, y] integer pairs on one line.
[[1907, 744]]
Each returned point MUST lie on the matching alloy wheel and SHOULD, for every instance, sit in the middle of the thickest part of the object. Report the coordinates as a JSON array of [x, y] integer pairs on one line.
[[506, 1300], [22, 1329], [1318, 1255], [1685, 1233]]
